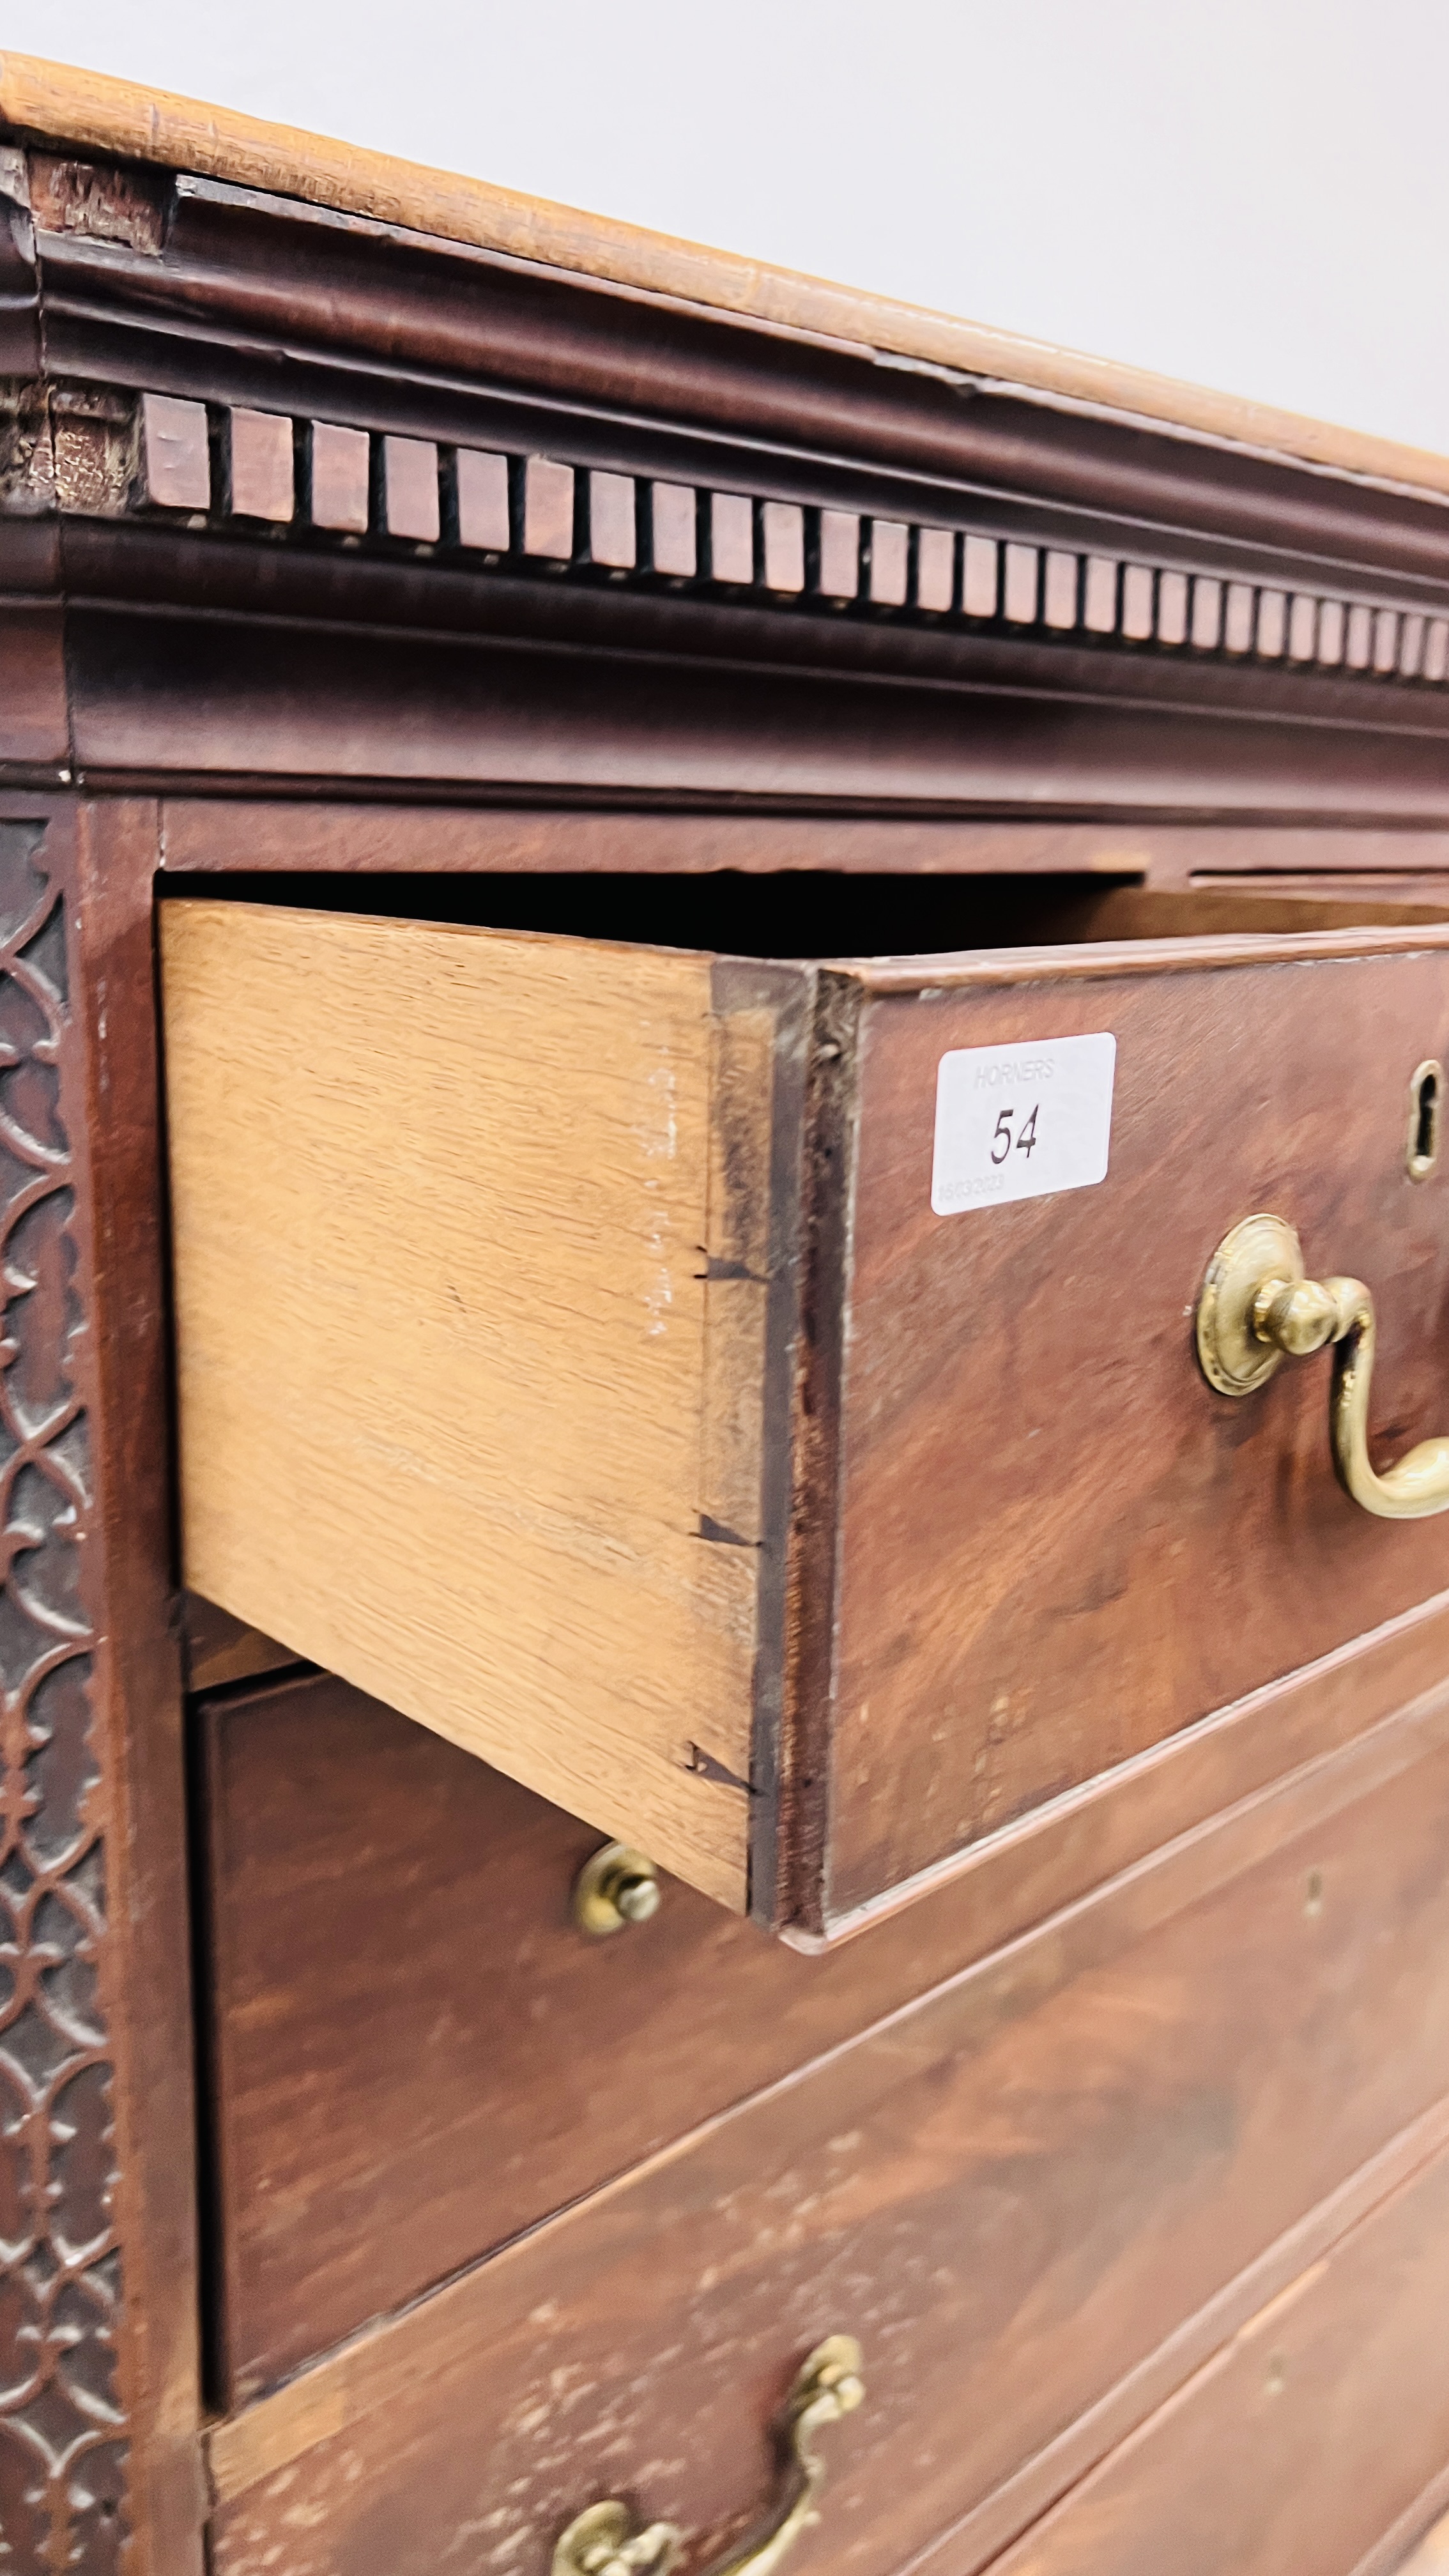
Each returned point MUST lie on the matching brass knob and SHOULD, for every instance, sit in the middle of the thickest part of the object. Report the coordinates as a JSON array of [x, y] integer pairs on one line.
[[617, 1886], [599, 2542], [1258, 1309]]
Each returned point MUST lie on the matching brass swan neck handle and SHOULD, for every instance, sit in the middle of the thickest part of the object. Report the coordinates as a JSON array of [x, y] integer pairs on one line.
[[1257, 1308], [599, 2541]]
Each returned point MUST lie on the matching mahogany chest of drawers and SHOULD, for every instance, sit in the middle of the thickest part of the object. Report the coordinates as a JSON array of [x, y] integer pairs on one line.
[[725, 1627]]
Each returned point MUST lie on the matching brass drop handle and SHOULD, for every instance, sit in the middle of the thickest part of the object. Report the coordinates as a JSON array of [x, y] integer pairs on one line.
[[1257, 1309], [599, 2542]]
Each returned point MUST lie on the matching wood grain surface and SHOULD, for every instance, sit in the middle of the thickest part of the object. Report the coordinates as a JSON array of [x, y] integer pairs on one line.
[[120, 1763], [1015, 2190], [202, 835], [1057, 1542], [417, 2055], [307, 688], [439, 1204], [1300, 2442], [205, 834], [100, 114]]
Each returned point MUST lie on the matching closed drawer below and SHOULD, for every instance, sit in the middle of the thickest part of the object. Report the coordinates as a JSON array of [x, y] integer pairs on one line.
[[1040, 2194], [1300, 2445]]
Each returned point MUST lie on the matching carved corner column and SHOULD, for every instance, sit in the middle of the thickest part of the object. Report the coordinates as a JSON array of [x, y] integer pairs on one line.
[[98, 2324]]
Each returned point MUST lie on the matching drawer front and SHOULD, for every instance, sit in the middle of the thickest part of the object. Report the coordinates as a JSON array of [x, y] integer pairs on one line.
[[1058, 1544], [571, 1355], [418, 2052], [1298, 2447], [1015, 2191]]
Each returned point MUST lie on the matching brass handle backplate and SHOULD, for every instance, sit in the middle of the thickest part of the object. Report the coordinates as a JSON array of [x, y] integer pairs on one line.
[[600, 2543], [1257, 1309], [615, 1887]]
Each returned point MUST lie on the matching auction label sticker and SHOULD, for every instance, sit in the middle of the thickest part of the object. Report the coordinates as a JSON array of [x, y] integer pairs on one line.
[[1019, 1122]]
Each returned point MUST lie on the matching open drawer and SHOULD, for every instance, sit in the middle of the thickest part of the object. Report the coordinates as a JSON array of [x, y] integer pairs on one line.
[[758, 1404]]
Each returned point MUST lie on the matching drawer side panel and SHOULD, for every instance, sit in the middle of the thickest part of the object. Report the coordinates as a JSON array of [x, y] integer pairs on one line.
[[439, 1201]]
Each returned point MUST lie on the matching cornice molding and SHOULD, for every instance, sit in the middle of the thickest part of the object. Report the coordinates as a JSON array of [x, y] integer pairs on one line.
[[243, 437], [78, 111], [267, 479]]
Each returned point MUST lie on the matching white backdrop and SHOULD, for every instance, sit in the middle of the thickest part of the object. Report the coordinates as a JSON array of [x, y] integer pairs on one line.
[[1252, 193]]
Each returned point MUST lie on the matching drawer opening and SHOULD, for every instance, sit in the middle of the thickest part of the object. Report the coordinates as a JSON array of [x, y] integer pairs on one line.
[[786, 914], [810, 912]]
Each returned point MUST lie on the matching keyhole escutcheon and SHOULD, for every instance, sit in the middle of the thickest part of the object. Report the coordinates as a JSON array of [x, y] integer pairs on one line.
[[1426, 1096]]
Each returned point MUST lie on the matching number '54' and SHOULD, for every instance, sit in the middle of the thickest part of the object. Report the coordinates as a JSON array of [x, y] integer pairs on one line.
[[1024, 1139]]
